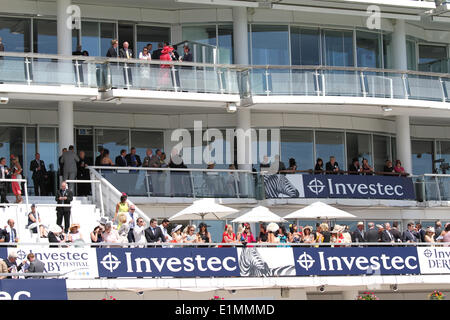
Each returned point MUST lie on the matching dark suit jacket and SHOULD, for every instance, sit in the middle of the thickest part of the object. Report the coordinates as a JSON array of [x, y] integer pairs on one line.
[[34, 165], [121, 162], [122, 53], [156, 54], [69, 195], [329, 167], [138, 160], [409, 236], [187, 57], [8, 235], [353, 169], [385, 236], [397, 234], [37, 266], [357, 237], [372, 235], [112, 53], [154, 236]]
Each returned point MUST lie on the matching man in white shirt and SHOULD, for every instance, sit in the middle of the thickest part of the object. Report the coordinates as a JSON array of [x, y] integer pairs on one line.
[[4, 174], [139, 233], [163, 226], [131, 220]]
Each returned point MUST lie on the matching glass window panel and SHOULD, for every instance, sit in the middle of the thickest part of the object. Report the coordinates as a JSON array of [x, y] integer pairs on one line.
[[225, 34], [382, 151], [387, 51], [49, 151], [126, 33], [443, 152], [329, 143], [203, 34], [394, 149], [142, 140], [411, 55], [422, 156], [113, 140], [338, 48], [430, 58], [15, 34], [270, 45], [11, 142], [298, 145], [358, 146], [44, 36], [153, 35], [368, 49], [305, 47], [31, 152], [107, 33], [90, 38]]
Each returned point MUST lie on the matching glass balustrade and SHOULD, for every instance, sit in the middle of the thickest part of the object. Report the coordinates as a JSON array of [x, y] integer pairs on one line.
[[432, 187], [12, 70], [186, 183], [425, 88]]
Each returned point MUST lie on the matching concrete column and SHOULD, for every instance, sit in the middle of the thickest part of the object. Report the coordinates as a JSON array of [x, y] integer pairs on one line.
[[403, 142], [240, 35], [65, 108], [350, 294], [399, 45]]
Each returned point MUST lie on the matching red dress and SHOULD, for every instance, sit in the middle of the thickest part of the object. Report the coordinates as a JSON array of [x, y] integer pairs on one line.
[[228, 237], [164, 71], [16, 185]]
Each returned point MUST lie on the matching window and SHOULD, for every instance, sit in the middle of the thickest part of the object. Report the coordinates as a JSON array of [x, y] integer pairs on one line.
[[90, 39], [329, 143], [422, 156], [338, 48], [225, 44], [107, 34], [358, 146], [153, 35], [387, 51], [48, 148], [430, 58], [305, 46], [11, 142], [298, 145], [381, 151], [112, 139], [443, 152], [368, 49], [15, 34], [411, 55], [142, 140], [44, 36], [30, 153], [270, 45]]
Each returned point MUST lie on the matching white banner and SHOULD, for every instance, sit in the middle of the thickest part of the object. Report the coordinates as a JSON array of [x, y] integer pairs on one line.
[[434, 259], [266, 262], [75, 263]]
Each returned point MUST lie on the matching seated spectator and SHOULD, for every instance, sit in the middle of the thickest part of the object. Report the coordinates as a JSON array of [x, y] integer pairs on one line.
[[203, 234], [229, 236], [247, 235], [190, 236], [354, 167], [139, 232], [429, 235], [110, 235], [292, 165], [33, 221], [96, 235], [398, 167], [366, 168], [55, 235], [9, 265], [332, 167], [35, 265], [121, 160], [176, 234], [308, 236], [74, 233], [388, 167], [319, 166], [262, 233], [11, 232]]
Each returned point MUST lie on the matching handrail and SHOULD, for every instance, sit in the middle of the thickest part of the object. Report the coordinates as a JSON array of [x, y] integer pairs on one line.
[[369, 173], [195, 42], [229, 66], [168, 169]]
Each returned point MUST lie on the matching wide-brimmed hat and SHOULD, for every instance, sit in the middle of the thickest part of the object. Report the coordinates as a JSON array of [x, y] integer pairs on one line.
[[360, 223], [272, 227], [337, 228], [308, 227], [74, 225], [55, 229], [103, 220], [431, 229], [178, 227]]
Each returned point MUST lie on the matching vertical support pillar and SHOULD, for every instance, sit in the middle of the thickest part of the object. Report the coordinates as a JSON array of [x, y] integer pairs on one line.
[[403, 142]]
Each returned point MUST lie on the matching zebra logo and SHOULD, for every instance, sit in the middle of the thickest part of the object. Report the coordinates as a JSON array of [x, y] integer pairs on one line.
[[316, 186], [277, 184], [252, 264]]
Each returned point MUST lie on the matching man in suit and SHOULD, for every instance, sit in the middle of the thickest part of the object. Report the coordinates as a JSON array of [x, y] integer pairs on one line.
[[133, 160], [187, 54], [395, 232], [121, 160], [410, 234], [113, 51], [438, 229], [10, 232], [153, 233], [354, 168], [125, 52], [63, 196], [10, 265], [359, 235], [372, 234], [332, 167], [36, 266], [420, 232], [37, 166], [99, 157], [70, 159], [83, 174], [4, 174], [61, 164], [386, 235], [148, 157], [157, 53]]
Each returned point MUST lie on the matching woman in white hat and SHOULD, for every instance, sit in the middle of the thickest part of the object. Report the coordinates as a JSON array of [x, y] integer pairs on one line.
[[308, 236], [429, 234], [336, 235], [176, 234]]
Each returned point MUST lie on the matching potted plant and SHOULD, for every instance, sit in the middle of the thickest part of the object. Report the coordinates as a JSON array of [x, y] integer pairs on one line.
[[436, 295], [367, 296]]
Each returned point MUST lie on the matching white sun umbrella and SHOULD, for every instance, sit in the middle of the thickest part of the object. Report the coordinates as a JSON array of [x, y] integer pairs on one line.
[[319, 210], [206, 209], [259, 214]]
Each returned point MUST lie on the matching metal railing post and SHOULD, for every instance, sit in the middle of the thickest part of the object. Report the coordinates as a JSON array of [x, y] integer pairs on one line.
[[266, 74], [127, 80], [27, 70], [102, 208], [191, 178], [77, 73], [363, 84]]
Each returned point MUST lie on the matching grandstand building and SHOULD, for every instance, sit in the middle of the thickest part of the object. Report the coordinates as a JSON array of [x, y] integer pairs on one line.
[[366, 79]]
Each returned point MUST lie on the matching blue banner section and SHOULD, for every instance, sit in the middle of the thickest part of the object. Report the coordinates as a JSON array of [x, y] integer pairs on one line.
[[170, 262], [358, 186], [356, 261], [33, 289], [3, 252]]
